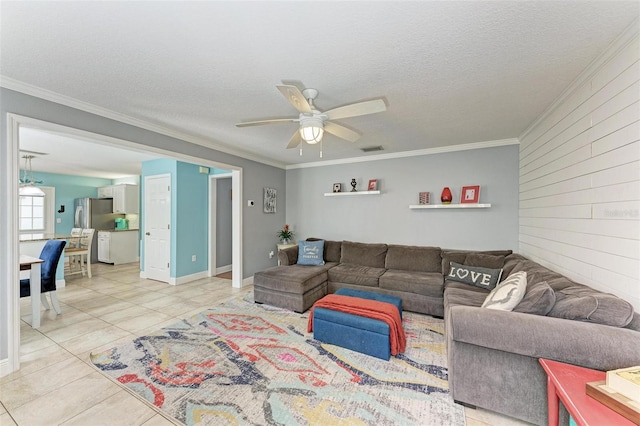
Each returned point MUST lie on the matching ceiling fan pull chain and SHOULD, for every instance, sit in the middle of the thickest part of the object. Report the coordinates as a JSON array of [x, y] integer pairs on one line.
[[320, 148]]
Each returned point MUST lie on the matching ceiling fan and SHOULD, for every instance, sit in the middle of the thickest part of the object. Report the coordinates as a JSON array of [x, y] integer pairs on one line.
[[314, 123]]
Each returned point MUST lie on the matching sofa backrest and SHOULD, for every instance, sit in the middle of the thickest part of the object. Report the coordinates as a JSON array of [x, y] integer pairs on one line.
[[413, 258], [459, 256], [332, 249], [365, 254]]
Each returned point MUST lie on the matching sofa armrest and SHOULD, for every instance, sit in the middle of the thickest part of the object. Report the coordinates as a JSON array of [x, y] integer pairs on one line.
[[288, 256], [595, 346]]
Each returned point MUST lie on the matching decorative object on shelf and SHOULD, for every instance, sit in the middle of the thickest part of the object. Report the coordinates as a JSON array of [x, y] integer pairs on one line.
[[27, 184], [424, 198], [470, 194], [270, 195], [446, 196], [373, 185], [353, 185], [337, 187], [285, 234]]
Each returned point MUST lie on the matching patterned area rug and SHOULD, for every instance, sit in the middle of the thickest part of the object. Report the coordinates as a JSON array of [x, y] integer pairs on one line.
[[244, 363]]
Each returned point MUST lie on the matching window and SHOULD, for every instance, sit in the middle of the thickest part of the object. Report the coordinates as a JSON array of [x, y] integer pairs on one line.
[[31, 213], [37, 213]]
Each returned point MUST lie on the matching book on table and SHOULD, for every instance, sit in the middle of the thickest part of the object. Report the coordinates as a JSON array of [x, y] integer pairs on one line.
[[625, 381]]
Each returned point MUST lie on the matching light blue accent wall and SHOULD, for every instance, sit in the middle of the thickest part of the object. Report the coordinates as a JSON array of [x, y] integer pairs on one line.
[[191, 218], [386, 218], [68, 188]]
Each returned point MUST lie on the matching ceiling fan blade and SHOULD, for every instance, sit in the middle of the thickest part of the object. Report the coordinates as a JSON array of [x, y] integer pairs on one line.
[[261, 122], [341, 131], [295, 97], [300, 85], [354, 110], [295, 140]]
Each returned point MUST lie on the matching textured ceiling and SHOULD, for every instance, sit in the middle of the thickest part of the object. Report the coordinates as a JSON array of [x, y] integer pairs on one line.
[[450, 72]]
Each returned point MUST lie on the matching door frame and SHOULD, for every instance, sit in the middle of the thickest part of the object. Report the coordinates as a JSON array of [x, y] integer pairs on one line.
[[9, 263], [213, 220]]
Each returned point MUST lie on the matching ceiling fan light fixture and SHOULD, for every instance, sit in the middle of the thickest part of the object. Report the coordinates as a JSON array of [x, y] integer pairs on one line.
[[311, 130]]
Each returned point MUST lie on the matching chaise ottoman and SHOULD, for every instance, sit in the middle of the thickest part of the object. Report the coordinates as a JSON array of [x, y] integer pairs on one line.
[[361, 334]]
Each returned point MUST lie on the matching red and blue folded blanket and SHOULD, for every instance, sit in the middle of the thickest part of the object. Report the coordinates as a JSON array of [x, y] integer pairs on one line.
[[373, 309]]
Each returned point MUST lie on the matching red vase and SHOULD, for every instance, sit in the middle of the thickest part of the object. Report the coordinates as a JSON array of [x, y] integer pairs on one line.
[[446, 196]]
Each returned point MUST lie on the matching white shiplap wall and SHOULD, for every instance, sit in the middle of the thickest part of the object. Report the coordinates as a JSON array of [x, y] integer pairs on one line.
[[580, 176]]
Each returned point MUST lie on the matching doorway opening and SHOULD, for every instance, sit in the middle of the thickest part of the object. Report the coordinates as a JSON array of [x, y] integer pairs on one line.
[[10, 243]]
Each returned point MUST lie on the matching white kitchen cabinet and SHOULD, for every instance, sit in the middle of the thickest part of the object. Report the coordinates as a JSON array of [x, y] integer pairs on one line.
[[126, 199], [105, 192], [118, 246]]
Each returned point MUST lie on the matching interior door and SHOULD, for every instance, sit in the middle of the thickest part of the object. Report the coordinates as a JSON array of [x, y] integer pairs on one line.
[[157, 227]]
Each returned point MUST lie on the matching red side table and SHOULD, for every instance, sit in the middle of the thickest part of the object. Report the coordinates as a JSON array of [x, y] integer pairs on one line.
[[568, 383]]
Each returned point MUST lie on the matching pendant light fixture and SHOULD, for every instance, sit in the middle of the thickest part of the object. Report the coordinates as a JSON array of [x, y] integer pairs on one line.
[[27, 185]]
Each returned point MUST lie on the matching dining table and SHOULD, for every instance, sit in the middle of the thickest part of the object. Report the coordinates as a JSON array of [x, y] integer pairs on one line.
[[34, 265]]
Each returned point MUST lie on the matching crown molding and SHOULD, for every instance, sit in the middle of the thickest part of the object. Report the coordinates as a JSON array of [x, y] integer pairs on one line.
[[627, 36], [38, 92], [416, 153]]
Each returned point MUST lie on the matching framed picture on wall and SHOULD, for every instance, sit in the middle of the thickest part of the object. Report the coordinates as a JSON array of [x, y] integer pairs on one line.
[[373, 185], [270, 196], [337, 187], [470, 194]]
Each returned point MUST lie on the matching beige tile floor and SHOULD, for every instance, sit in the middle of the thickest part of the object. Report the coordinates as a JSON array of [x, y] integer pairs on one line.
[[57, 384]]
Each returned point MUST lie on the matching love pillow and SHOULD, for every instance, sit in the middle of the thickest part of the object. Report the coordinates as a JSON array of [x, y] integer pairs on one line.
[[474, 275]]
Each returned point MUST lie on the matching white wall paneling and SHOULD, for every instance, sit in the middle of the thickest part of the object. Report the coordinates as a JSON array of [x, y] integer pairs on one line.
[[580, 177]]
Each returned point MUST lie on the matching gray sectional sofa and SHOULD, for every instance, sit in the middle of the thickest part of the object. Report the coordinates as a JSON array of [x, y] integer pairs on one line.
[[493, 355]]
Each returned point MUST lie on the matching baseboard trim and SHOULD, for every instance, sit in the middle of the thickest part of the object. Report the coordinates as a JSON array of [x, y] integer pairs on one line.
[[223, 269], [188, 278], [247, 281], [5, 367]]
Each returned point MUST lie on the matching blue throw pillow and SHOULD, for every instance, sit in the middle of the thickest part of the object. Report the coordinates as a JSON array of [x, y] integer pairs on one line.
[[311, 252]]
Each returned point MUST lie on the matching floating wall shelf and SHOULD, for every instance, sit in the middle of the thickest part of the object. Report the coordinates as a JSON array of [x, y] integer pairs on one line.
[[342, 194], [449, 206]]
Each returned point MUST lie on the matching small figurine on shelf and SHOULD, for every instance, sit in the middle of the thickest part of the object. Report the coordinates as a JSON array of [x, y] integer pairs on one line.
[[353, 185], [446, 196], [285, 234]]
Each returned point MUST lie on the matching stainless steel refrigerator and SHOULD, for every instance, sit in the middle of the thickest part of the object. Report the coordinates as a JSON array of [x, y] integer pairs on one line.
[[96, 213]]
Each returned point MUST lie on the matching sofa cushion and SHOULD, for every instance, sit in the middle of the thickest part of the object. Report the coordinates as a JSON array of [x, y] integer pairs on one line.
[[413, 258], [311, 253], [484, 260], [464, 296], [425, 283], [331, 249], [296, 279], [364, 254], [459, 256], [583, 303], [349, 273], [508, 293], [538, 299], [473, 275]]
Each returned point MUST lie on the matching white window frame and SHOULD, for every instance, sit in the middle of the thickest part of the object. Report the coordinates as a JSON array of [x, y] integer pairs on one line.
[[49, 212]]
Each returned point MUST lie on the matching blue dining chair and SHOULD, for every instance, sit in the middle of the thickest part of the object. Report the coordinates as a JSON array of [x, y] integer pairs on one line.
[[51, 253]]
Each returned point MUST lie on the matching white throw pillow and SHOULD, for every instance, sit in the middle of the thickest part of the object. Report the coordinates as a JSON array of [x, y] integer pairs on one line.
[[508, 293]]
